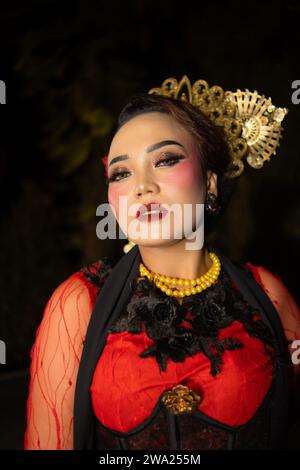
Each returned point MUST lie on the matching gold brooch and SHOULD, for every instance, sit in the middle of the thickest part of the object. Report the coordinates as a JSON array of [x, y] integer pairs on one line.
[[180, 399]]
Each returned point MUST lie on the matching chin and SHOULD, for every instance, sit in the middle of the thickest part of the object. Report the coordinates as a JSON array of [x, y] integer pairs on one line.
[[159, 243]]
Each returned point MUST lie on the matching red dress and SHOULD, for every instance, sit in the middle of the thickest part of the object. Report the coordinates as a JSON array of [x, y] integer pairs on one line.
[[126, 387]]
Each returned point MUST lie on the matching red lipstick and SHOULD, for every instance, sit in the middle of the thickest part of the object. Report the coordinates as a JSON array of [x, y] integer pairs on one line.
[[150, 212]]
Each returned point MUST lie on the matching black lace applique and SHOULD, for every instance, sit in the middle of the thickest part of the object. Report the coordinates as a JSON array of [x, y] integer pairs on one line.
[[150, 310], [97, 274]]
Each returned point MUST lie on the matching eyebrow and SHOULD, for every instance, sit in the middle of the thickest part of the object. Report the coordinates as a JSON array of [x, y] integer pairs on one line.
[[148, 150]]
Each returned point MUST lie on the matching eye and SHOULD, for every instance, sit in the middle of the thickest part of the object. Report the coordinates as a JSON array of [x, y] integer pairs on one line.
[[170, 159], [116, 176]]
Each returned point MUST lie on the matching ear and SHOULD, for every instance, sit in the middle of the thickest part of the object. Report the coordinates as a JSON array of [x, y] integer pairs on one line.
[[212, 179]]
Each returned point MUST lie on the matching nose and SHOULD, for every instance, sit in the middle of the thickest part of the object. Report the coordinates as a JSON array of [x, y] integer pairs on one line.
[[145, 186]]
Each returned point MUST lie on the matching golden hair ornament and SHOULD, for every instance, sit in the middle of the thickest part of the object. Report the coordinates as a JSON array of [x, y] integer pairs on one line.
[[252, 124]]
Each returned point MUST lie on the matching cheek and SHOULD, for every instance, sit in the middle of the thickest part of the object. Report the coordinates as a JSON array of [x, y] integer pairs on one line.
[[114, 195], [185, 176]]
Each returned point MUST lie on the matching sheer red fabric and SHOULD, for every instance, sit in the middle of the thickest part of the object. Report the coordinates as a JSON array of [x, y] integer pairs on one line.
[[56, 352], [55, 357], [284, 302]]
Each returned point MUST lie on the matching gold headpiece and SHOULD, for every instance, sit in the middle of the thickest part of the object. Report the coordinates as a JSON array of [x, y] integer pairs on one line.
[[252, 124]]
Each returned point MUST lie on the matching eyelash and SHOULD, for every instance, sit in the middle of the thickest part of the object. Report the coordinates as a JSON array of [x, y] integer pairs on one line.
[[170, 157]]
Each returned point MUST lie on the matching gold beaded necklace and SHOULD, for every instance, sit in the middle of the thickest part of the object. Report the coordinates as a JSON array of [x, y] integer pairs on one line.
[[192, 286]]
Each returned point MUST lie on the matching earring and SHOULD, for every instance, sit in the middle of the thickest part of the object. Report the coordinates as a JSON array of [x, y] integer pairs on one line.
[[128, 246], [212, 205]]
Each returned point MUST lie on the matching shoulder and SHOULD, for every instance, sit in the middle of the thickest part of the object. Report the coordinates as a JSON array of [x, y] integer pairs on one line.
[[71, 303], [94, 275], [284, 303], [269, 280], [85, 283], [281, 297]]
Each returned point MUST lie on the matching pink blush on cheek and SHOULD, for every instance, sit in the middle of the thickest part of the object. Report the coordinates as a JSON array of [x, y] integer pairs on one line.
[[185, 175], [113, 197]]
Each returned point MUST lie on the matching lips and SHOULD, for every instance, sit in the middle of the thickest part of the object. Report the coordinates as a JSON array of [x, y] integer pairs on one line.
[[151, 209]]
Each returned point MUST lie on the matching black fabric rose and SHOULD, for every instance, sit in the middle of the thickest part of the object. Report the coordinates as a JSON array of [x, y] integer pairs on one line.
[[97, 275]]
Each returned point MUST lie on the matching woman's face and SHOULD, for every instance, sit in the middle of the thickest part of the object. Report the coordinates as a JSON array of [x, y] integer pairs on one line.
[[154, 170]]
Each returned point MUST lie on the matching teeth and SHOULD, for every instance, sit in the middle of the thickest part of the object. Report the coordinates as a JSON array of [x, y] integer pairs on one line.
[[151, 212]]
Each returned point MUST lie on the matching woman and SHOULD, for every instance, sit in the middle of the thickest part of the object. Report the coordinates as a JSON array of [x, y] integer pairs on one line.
[[136, 357]]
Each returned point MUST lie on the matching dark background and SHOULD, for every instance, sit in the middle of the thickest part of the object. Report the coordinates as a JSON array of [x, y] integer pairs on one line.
[[69, 67]]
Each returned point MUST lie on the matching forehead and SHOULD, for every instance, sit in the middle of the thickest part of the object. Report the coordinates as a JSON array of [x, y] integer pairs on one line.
[[146, 129]]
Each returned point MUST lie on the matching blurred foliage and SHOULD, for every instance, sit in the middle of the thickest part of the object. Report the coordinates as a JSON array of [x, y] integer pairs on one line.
[[74, 64], [77, 82], [29, 239]]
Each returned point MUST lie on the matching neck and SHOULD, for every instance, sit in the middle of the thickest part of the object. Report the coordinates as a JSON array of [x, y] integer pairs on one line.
[[176, 261]]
